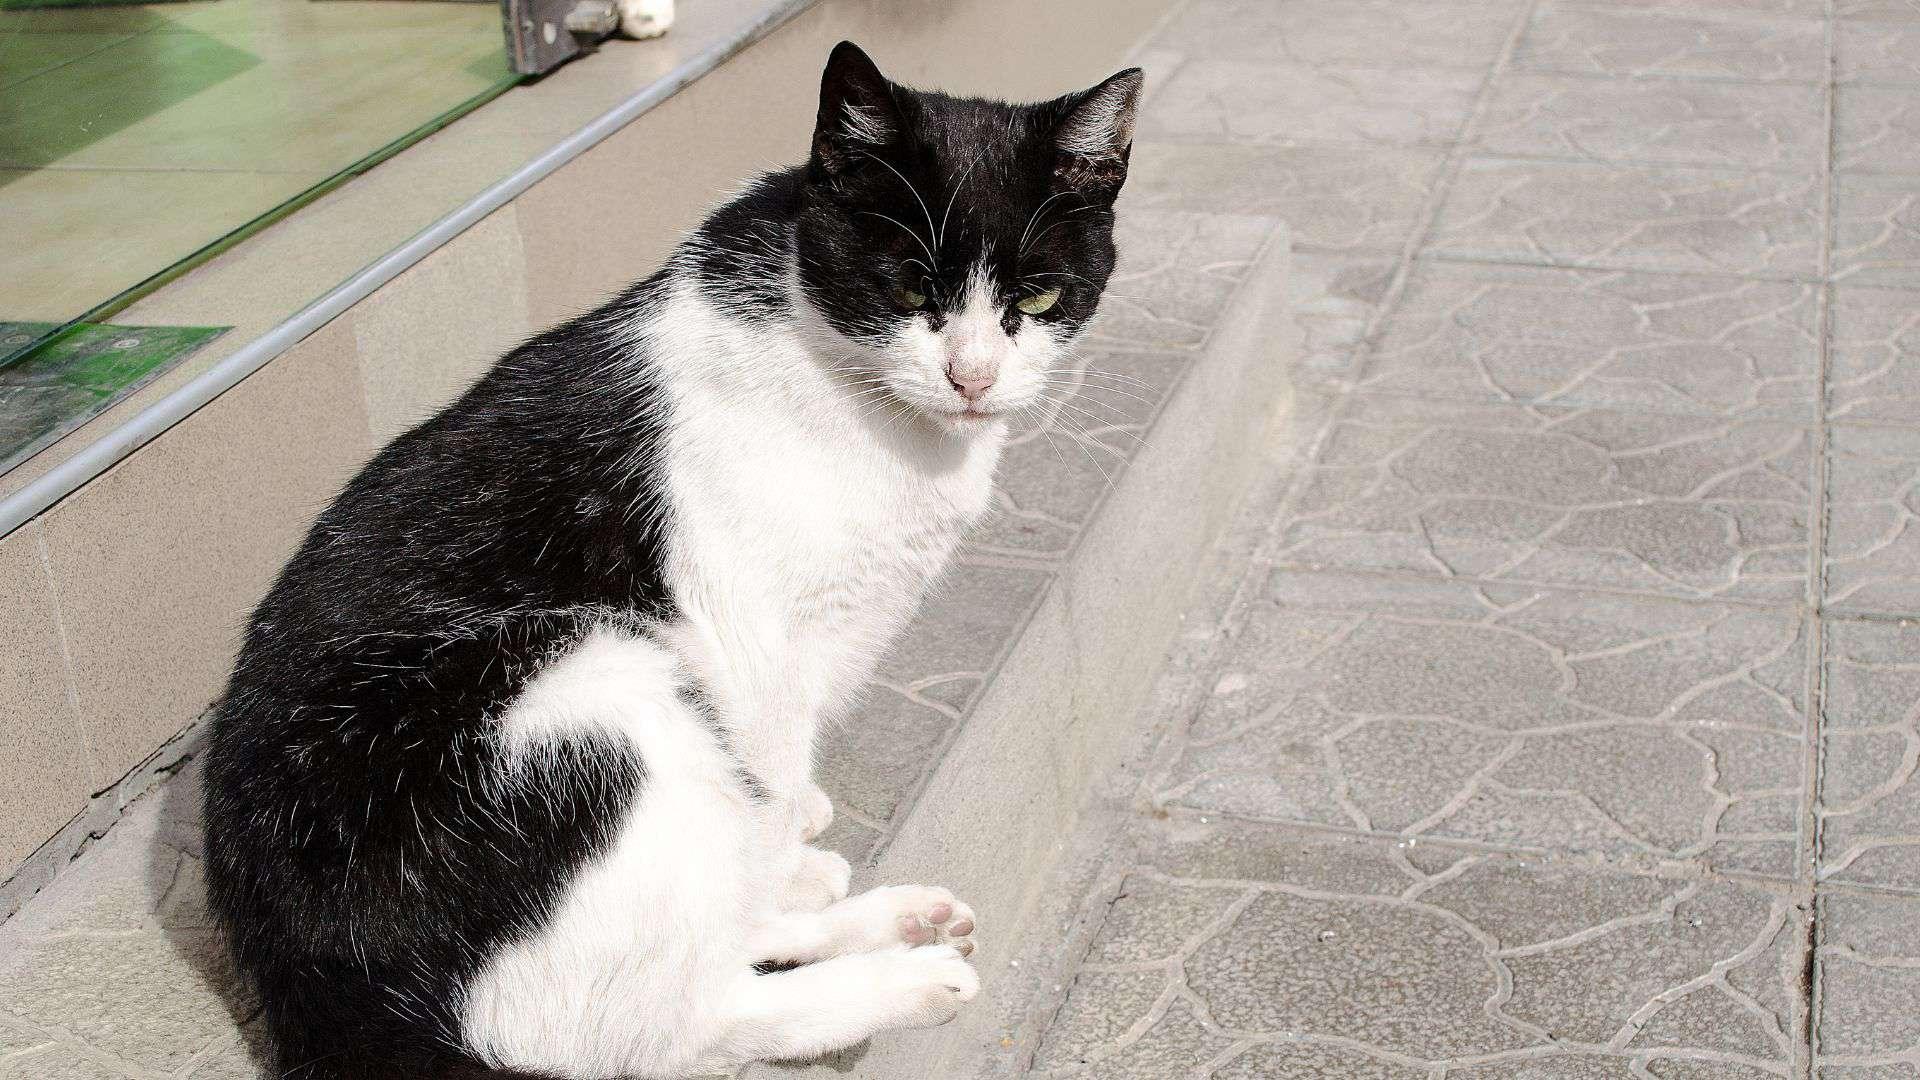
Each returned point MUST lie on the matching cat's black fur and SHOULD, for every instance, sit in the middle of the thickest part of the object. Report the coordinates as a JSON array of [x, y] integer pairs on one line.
[[366, 853]]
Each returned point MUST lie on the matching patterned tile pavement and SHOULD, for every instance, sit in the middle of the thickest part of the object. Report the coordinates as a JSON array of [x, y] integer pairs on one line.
[[1567, 719]]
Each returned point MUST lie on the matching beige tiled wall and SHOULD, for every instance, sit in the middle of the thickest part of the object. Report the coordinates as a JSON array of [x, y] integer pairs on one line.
[[429, 332], [156, 564], [46, 777], [126, 600]]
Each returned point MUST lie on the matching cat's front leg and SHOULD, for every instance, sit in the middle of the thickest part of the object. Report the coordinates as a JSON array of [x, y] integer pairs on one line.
[[810, 811]]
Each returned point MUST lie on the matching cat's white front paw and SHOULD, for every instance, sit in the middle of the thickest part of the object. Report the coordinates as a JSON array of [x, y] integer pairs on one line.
[[924, 986], [820, 879], [645, 18], [811, 811], [910, 915]]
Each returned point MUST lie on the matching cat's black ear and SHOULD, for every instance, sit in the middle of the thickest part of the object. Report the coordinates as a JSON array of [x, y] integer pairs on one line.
[[857, 110], [1095, 133]]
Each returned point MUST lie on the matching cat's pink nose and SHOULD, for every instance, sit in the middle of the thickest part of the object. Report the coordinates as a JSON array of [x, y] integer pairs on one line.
[[971, 385]]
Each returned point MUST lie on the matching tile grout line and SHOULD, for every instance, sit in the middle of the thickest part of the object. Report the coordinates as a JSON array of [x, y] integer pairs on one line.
[[1816, 569]]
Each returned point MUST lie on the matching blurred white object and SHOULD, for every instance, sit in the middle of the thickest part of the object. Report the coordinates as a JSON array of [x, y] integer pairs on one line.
[[645, 18]]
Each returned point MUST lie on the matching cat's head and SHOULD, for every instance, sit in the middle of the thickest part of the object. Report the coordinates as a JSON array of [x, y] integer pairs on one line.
[[959, 245]]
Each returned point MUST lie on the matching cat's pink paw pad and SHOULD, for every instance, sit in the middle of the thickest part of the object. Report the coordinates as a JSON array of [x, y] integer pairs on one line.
[[928, 915]]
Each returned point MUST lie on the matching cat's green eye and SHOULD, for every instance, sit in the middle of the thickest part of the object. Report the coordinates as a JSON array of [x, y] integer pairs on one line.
[[909, 299], [1039, 303]]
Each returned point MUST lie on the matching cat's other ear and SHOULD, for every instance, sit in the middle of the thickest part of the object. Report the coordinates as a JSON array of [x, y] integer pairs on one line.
[[1095, 134], [858, 112]]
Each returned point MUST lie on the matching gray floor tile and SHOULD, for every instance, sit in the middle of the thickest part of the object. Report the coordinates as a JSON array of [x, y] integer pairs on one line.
[[1177, 272], [1717, 346], [1345, 959], [1672, 121], [1669, 504], [1334, 297], [1870, 802], [1242, 101], [1344, 33], [1635, 727], [1873, 520], [1054, 471], [1869, 966], [129, 964], [1805, 8], [1632, 216], [1812, 9], [1877, 9], [1876, 229], [1599, 41], [1877, 51], [1874, 355], [1877, 129], [1332, 198]]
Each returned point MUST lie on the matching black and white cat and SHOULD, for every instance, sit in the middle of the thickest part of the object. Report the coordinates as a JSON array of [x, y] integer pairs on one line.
[[513, 776]]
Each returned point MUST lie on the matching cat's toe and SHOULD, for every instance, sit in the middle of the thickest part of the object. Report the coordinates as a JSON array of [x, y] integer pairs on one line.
[[937, 982], [929, 915]]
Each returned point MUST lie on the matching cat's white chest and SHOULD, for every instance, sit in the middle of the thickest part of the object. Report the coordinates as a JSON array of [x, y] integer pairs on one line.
[[801, 541]]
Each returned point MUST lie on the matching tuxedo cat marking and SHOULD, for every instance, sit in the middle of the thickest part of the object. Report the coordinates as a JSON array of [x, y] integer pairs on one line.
[[513, 774]]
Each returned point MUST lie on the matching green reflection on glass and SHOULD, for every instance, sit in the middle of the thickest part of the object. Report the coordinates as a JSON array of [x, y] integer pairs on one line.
[[76, 373]]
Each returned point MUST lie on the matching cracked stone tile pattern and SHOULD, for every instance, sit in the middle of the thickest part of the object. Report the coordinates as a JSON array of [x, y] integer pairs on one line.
[[1875, 355], [1566, 723], [1876, 229], [1867, 51], [1596, 41], [1873, 509], [1869, 966], [1632, 216], [1671, 504], [1385, 34], [1333, 198], [1667, 121], [1289, 103], [1484, 965], [1870, 805], [1877, 129], [1522, 718], [1712, 345], [116, 970]]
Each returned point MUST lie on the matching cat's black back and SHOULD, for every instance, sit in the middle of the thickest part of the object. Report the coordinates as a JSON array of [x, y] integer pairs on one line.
[[467, 551]]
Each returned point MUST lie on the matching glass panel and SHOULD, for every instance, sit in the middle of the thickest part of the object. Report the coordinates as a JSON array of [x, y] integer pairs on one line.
[[138, 138]]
